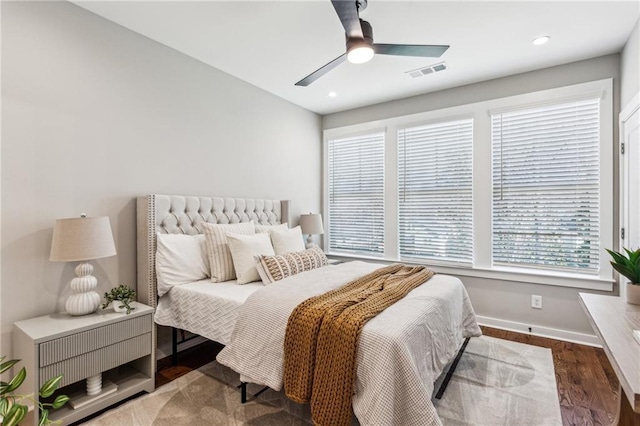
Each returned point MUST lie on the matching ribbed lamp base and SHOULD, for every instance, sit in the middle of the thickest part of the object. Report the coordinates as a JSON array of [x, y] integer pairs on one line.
[[84, 299]]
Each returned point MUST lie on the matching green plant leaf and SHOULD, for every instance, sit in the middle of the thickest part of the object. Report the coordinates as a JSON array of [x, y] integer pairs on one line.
[[44, 417], [617, 257], [15, 415], [50, 386], [627, 266], [60, 401], [632, 254], [5, 405], [7, 365], [17, 380], [625, 270]]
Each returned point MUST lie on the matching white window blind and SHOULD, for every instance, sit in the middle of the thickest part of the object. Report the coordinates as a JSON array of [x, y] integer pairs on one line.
[[435, 191], [356, 195], [546, 186]]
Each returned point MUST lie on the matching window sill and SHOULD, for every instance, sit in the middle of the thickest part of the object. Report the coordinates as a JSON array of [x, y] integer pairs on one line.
[[504, 274]]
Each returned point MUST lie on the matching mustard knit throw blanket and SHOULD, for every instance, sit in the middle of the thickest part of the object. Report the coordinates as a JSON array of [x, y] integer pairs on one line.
[[321, 340]]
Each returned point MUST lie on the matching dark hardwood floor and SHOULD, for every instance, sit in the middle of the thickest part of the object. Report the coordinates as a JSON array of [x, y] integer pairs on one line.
[[587, 385]]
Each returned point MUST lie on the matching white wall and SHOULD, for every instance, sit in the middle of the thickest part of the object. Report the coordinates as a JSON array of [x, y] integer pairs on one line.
[[630, 67], [94, 115], [510, 302]]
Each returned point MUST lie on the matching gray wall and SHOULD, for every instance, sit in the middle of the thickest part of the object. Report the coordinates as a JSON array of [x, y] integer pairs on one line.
[[94, 115], [506, 300], [630, 67]]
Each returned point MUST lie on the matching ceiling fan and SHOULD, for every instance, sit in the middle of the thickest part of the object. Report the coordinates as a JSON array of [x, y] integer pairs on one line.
[[360, 45]]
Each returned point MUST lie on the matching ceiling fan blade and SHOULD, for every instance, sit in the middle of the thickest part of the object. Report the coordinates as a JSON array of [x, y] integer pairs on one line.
[[322, 71], [426, 51], [347, 11]]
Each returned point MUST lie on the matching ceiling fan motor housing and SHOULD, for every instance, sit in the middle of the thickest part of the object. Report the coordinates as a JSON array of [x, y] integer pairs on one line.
[[367, 32]]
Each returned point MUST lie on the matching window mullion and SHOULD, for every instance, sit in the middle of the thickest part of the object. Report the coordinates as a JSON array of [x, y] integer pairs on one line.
[[391, 194], [482, 192]]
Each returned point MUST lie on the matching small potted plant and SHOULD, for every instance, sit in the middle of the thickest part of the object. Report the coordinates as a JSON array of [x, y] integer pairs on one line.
[[629, 266], [121, 296]]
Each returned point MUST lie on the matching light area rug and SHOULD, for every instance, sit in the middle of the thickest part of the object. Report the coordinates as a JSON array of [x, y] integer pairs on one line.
[[496, 382]]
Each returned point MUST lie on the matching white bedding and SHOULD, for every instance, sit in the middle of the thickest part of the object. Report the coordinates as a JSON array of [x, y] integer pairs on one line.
[[205, 308], [401, 352]]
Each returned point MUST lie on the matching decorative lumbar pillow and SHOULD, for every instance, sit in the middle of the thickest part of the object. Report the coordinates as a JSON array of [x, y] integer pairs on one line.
[[275, 268], [266, 228], [243, 249], [180, 259], [287, 240], [261, 272], [220, 260]]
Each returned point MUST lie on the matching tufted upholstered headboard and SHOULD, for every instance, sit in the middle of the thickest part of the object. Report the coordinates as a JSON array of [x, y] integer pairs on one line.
[[177, 214]]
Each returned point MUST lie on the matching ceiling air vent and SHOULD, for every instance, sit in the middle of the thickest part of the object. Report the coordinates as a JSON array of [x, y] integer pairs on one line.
[[427, 70]]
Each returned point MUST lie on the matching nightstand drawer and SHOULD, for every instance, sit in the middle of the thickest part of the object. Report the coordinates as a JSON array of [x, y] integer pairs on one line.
[[91, 363], [91, 340]]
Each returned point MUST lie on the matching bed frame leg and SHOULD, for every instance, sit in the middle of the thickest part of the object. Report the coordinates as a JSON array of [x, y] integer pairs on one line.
[[174, 346], [452, 369], [243, 392]]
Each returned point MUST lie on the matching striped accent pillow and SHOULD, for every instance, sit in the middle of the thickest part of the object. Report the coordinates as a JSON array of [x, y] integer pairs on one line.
[[220, 259], [275, 268]]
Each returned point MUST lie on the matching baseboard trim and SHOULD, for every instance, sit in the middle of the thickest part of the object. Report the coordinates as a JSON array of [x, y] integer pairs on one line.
[[536, 330]]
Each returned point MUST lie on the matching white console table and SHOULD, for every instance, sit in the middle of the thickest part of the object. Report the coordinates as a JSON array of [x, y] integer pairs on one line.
[[613, 320]]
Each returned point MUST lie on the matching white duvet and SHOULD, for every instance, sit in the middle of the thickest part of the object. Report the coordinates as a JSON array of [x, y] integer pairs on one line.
[[401, 351]]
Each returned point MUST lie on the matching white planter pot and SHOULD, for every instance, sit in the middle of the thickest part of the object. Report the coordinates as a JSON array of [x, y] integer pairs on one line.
[[116, 306], [633, 293]]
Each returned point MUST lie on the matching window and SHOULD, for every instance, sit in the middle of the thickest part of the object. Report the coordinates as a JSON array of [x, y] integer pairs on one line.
[[356, 195], [518, 188], [435, 192], [546, 176]]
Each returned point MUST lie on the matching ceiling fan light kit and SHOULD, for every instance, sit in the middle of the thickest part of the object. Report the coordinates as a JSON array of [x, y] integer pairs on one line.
[[360, 46], [360, 54], [360, 50]]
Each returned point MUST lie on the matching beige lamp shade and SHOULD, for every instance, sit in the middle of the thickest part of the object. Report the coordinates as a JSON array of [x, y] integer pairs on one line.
[[311, 224], [82, 238]]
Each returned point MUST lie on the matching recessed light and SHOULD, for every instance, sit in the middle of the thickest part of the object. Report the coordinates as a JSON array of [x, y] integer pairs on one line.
[[332, 94], [541, 40]]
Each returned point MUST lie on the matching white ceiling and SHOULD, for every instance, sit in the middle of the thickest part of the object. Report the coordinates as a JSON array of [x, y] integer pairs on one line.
[[273, 44]]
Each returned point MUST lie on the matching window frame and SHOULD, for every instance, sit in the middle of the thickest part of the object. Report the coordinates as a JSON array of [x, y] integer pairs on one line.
[[481, 112]]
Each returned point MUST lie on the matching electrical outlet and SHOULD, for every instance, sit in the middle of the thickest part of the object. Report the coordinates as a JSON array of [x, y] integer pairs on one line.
[[536, 301]]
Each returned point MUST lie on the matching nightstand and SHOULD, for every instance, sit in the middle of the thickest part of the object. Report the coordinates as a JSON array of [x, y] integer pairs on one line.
[[115, 344]]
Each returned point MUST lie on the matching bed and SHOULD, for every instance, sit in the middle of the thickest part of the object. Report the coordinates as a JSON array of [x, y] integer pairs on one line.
[[401, 352], [200, 307]]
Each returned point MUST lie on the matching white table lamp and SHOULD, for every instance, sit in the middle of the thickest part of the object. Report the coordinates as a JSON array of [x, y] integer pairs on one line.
[[311, 224], [82, 239]]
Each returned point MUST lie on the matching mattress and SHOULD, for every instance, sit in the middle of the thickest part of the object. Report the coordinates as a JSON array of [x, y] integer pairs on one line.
[[205, 308]]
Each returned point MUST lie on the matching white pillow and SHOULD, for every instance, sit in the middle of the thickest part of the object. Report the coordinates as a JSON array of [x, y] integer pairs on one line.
[[243, 250], [180, 259], [287, 240], [266, 228], [220, 260]]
